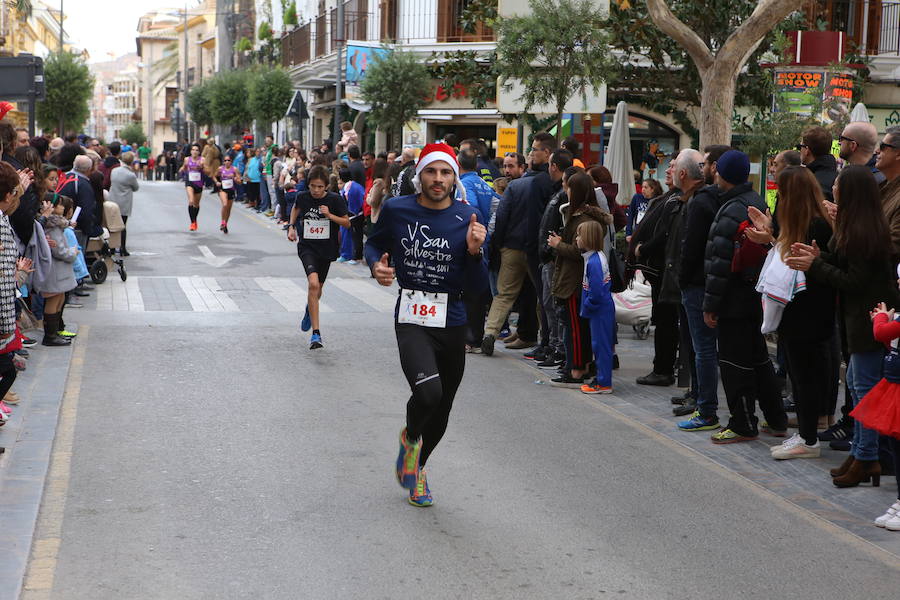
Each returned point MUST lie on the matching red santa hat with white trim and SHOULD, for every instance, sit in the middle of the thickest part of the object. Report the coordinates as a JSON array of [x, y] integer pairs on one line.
[[435, 152]]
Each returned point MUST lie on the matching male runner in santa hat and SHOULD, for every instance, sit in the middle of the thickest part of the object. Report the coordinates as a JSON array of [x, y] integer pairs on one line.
[[435, 244]]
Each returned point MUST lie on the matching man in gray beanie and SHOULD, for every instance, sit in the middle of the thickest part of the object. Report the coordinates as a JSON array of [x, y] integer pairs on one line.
[[732, 306]]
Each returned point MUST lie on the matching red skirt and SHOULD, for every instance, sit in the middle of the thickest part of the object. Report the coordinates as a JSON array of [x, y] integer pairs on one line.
[[880, 409]]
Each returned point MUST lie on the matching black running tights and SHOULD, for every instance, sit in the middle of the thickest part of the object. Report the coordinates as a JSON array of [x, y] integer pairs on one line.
[[7, 372], [433, 360]]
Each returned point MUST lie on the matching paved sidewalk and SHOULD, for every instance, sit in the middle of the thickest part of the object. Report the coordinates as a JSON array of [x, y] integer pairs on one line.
[[28, 438], [804, 482]]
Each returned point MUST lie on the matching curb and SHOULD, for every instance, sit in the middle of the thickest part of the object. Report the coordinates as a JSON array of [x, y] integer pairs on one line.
[[28, 437]]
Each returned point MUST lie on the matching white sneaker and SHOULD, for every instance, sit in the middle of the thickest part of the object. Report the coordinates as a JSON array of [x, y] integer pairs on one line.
[[788, 443], [893, 524], [800, 450], [891, 513]]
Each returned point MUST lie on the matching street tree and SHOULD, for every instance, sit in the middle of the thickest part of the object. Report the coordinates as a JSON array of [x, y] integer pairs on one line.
[[559, 51], [269, 95], [199, 103], [69, 86], [720, 65], [396, 86], [228, 99], [134, 133]]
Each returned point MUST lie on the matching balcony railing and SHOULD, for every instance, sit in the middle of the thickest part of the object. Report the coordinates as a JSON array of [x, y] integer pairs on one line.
[[889, 40], [401, 21], [872, 25]]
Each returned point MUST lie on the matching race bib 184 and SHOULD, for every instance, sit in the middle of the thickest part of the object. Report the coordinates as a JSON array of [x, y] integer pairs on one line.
[[428, 309], [227, 184], [193, 175]]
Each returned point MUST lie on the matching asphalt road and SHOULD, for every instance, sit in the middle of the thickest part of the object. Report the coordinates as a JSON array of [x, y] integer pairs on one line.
[[214, 456]]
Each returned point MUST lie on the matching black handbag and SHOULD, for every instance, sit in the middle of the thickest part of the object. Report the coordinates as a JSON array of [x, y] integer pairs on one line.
[[617, 281]]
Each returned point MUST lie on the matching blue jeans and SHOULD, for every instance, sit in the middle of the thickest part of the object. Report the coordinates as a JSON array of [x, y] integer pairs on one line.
[[265, 200], [705, 354], [863, 373], [346, 243], [289, 198]]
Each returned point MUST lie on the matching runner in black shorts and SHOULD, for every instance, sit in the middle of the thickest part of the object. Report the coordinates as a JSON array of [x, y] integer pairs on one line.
[[226, 179], [436, 244], [314, 226], [193, 183]]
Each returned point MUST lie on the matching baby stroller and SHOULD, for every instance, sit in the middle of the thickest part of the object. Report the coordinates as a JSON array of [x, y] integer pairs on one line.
[[99, 254], [634, 306]]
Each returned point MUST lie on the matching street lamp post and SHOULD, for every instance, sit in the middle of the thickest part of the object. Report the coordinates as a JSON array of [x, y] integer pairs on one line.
[[338, 40], [62, 123], [184, 75]]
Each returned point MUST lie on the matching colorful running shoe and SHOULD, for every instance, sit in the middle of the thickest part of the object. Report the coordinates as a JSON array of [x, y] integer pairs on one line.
[[420, 495], [224, 227], [66, 334], [4, 408], [408, 462], [193, 227], [699, 423], [727, 436], [764, 427], [341, 259], [306, 323], [595, 388], [315, 342]]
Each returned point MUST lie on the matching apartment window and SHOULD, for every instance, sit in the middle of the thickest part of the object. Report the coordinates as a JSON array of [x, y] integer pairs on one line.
[[389, 15], [171, 99], [861, 20], [449, 29]]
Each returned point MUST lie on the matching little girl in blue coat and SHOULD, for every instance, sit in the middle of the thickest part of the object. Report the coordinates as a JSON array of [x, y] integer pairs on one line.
[[597, 304]]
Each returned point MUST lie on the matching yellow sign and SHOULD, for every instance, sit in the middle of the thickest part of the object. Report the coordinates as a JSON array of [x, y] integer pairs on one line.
[[506, 140]]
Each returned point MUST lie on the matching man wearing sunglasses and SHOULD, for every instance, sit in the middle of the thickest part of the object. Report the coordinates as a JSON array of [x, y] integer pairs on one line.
[[858, 141], [815, 153]]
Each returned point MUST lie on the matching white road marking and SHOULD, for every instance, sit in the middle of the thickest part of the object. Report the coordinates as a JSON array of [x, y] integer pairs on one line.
[[211, 259], [288, 294], [381, 300]]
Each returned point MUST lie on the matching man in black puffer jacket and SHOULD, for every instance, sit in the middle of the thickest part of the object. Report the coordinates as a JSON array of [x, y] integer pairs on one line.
[[732, 305], [815, 153]]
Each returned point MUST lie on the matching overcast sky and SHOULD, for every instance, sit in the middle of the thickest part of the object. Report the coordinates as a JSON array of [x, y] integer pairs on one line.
[[107, 28]]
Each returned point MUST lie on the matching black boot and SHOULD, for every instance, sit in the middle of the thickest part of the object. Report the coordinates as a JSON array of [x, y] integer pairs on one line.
[[51, 326]]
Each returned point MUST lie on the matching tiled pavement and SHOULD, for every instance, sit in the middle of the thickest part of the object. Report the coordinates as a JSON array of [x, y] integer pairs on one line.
[[804, 482], [237, 294]]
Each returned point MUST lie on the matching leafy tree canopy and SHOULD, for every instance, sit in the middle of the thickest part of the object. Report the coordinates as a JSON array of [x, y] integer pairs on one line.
[[656, 72], [270, 94], [134, 133], [199, 103], [396, 86], [69, 86], [228, 99], [559, 51], [289, 10]]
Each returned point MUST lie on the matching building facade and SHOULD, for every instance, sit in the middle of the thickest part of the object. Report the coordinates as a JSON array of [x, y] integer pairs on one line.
[[177, 51], [309, 53], [34, 33]]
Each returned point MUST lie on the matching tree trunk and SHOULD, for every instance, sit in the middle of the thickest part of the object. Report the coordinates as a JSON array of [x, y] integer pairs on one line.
[[719, 71], [717, 107]]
